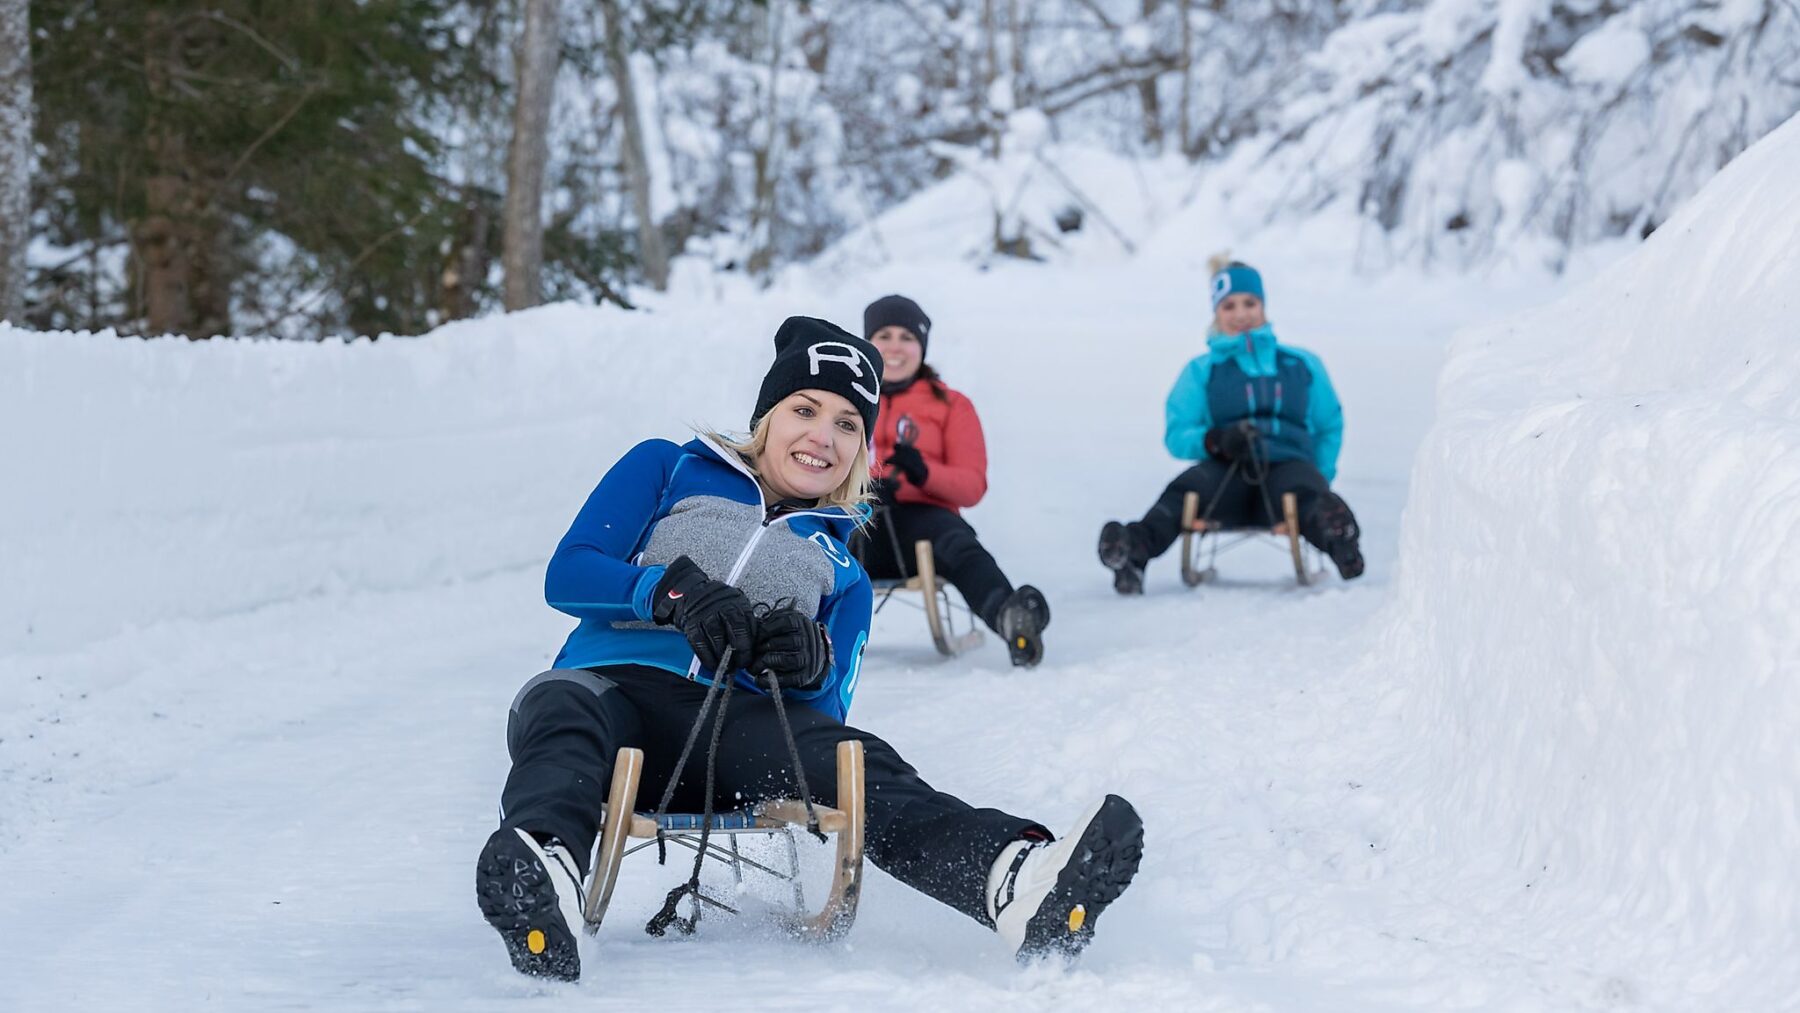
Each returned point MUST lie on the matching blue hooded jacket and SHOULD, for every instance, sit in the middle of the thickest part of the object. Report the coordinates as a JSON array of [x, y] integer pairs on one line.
[[661, 501], [1282, 389]]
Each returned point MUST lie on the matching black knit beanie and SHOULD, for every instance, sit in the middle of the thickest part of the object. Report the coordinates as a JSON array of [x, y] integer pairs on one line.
[[814, 354], [890, 310]]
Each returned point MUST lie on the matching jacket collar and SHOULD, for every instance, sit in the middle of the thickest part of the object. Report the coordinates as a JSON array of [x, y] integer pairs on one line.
[[839, 521], [1254, 351]]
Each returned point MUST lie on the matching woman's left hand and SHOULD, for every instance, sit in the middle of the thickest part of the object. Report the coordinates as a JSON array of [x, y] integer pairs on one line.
[[910, 462], [793, 647]]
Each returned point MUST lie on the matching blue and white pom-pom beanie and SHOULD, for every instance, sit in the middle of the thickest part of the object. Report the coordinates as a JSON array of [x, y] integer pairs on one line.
[[1236, 277]]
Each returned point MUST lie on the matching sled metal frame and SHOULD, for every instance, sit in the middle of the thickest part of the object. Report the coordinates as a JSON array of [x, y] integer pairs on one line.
[[1200, 535], [940, 610], [621, 824]]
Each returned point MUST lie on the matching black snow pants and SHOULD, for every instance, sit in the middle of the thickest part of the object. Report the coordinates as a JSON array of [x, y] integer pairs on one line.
[[960, 557], [1237, 501], [567, 725]]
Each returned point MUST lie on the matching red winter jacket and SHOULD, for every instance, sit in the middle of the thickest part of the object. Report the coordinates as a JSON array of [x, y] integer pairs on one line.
[[948, 435]]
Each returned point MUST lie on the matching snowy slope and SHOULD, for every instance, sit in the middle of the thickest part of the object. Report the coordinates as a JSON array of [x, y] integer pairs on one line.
[[1599, 625], [265, 606]]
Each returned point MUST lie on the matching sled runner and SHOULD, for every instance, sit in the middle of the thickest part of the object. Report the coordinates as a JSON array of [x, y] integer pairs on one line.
[[1199, 534], [783, 818], [941, 611]]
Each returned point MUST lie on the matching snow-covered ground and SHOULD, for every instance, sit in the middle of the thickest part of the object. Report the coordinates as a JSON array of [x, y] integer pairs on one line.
[[264, 606]]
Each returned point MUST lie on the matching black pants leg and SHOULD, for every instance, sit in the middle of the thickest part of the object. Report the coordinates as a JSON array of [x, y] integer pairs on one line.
[[1304, 480], [932, 841], [564, 729], [961, 559], [1233, 501], [929, 840]]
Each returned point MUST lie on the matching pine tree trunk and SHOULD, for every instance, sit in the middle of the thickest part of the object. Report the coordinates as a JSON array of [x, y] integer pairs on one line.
[[653, 255], [990, 73], [767, 157], [1147, 94], [15, 155], [467, 265], [175, 243], [522, 243], [1186, 116]]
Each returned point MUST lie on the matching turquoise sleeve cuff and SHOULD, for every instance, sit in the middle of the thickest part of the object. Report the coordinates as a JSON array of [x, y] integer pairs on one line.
[[645, 590]]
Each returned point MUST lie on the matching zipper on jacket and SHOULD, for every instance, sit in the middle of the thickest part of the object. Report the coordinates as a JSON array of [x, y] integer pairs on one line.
[[743, 558]]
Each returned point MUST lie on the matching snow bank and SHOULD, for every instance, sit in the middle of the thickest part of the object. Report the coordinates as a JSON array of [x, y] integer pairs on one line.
[[240, 473], [1597, 622]]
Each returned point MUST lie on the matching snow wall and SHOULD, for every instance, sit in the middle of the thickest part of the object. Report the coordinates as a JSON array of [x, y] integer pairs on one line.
[[1598, 623]]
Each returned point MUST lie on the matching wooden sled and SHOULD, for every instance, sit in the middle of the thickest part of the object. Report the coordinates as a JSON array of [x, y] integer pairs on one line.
[[940, 610], [1198, 534], [622, 823]]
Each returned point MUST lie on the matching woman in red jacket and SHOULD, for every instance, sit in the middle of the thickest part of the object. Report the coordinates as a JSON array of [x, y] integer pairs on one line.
[[934, 464]]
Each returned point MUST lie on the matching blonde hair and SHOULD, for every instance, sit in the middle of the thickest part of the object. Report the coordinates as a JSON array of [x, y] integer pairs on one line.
[[850, 494]]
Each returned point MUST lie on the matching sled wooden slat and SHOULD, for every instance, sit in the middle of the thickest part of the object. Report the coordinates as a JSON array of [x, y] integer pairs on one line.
[[937, 604], [839, 912], [628, 767], [768, 816], [1194, 529], [782, 816], [792, 812], [934, 594], [1290, 512]]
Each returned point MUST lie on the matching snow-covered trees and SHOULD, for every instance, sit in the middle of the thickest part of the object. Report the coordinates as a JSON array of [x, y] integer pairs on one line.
[[1470, 130], [269, 167]]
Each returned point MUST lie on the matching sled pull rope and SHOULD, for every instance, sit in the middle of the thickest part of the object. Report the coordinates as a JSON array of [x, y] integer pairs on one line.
[[721, 690], [1206, 515], [787, 732], [669, 915], [1258, 472]]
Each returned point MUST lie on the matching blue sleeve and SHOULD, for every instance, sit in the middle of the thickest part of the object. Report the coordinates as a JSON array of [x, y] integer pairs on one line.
[[846, 615], [591, 576], [1188, 414], [1324, 419]]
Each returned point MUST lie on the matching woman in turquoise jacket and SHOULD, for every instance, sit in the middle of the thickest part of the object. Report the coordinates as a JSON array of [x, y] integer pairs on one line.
[[1261, 420]]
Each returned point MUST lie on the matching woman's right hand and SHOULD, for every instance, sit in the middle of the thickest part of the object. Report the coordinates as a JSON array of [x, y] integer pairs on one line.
[[1231, 442], [712, 614]]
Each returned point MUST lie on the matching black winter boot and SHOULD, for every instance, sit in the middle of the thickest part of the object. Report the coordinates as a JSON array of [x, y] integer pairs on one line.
[[1336, 528], [1023, 617], [1125, 551], [529, 890]]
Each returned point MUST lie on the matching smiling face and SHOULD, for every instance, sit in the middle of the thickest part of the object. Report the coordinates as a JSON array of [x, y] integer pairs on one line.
[[901, 353], [1239, 312], [814, 437]]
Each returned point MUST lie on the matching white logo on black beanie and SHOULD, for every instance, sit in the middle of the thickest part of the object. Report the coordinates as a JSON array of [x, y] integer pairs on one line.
[[814, 354]]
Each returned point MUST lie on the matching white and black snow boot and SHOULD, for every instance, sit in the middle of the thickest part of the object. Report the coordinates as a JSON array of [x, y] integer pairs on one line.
[[1044, 896], [1022, 619], [1122, 550], [530, 892]]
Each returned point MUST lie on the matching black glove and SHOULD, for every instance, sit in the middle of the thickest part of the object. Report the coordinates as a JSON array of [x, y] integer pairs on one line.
[[712, 614], [1232, 442], [792, 645], [911, 463]]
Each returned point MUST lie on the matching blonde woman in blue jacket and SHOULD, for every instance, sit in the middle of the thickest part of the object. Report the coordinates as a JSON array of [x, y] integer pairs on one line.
[[1260, 419], [725, 559]]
